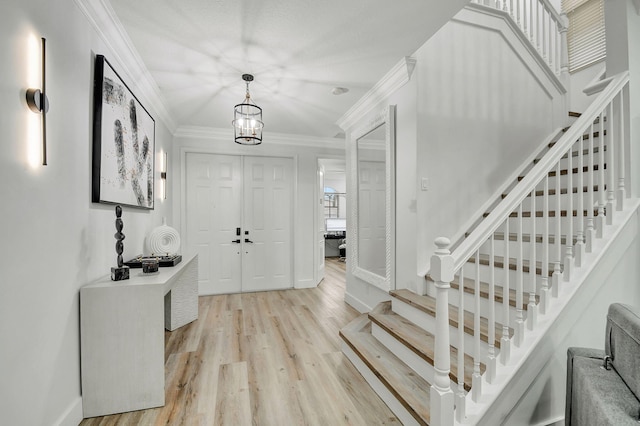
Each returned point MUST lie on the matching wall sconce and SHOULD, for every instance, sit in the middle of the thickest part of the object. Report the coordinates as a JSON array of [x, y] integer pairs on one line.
[[163, 175], [39, 103]]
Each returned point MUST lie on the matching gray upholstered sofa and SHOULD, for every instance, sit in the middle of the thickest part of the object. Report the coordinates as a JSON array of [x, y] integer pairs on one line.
[[603, 387]]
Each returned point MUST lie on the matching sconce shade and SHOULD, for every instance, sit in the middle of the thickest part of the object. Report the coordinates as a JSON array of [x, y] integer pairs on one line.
[[39, 103], [247, 119]]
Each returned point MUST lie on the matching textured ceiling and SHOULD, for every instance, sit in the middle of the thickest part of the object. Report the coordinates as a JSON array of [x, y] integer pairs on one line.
[[298, 51]]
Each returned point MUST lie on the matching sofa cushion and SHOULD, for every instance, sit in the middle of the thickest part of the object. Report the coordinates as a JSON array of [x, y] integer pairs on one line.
[[622, 344]]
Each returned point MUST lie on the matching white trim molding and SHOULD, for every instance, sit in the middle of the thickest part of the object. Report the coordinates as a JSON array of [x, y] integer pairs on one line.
[[210, 133], [104, 20], [397, 77]]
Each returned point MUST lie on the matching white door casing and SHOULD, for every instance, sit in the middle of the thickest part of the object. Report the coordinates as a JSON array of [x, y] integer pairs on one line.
[[320, 227]]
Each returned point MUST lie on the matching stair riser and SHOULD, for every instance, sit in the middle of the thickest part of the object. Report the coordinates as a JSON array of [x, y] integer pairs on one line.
[[416, 363], [428, 323]]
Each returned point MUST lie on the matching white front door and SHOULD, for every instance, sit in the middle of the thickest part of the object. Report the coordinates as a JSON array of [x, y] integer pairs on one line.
[[266, 263], [239, 221]]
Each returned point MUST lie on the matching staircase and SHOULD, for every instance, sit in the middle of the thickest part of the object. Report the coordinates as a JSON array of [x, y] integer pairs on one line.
[[444, 356], [487, 291]]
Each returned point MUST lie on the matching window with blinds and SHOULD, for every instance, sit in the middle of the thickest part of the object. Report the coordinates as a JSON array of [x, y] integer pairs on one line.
[[586, 35]]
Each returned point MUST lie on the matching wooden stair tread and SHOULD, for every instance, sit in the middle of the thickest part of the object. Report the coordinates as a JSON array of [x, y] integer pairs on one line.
[[421, 342], [427, 304], [411, 390], [498, 262]]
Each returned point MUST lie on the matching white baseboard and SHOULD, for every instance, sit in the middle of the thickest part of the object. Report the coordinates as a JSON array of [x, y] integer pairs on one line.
[[305, 284], [558, 421], [356, 303], [72, 415]]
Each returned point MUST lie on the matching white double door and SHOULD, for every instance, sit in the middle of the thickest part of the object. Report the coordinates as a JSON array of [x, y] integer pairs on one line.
[[239, 221]]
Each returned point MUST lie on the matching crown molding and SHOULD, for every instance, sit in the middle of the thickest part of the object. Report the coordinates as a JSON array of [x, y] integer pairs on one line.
[[397, 77], [224, 135], [104, 20]]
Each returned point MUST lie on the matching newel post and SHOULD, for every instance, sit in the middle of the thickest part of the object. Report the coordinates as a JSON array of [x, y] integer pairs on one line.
[[563, 28], [441, 393]]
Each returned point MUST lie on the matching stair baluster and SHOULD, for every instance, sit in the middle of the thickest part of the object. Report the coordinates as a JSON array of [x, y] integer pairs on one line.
[[546, 243], [461, 395], [519, 331], [611, 148], [601, 178], [568, 257], [580, 248], [491, 361], [590, 233], [505, 341], [557, 274], [532, 308], [476, 382], [621, 147]]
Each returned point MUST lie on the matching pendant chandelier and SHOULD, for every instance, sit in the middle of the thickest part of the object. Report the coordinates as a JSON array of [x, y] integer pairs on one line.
[[247, 119]]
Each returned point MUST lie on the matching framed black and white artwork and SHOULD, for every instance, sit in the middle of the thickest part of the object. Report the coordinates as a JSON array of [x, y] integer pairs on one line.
[[123, 142]]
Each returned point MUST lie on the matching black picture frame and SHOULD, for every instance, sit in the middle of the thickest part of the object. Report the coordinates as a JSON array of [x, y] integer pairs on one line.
[[123, 143]]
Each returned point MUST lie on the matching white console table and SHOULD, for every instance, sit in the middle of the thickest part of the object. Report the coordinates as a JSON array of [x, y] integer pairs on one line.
[[122, 335]]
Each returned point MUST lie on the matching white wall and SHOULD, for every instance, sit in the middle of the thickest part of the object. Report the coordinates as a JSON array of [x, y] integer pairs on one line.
[[359, 293], [484, 105], [54, 239], [305, 157], [475, 107], [578, 100]]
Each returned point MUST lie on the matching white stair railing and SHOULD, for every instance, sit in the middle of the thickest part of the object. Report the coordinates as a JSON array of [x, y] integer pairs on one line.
[[604, 119], [541, 23]]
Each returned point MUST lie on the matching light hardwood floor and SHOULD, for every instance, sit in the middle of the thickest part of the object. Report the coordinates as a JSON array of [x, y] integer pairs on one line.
[[269, 358]]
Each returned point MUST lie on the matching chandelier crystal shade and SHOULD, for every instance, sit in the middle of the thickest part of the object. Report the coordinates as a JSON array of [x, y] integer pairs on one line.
[[247, 119]]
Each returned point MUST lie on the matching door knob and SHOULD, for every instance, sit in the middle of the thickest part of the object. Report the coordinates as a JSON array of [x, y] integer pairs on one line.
[[236, 241], [246, 240]]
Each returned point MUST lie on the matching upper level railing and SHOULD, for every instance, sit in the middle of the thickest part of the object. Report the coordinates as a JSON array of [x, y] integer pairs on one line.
[[541, 23], [537, 235]]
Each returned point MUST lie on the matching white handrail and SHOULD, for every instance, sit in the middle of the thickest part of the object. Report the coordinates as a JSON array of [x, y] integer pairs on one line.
[[491, 223], [553, 12]]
